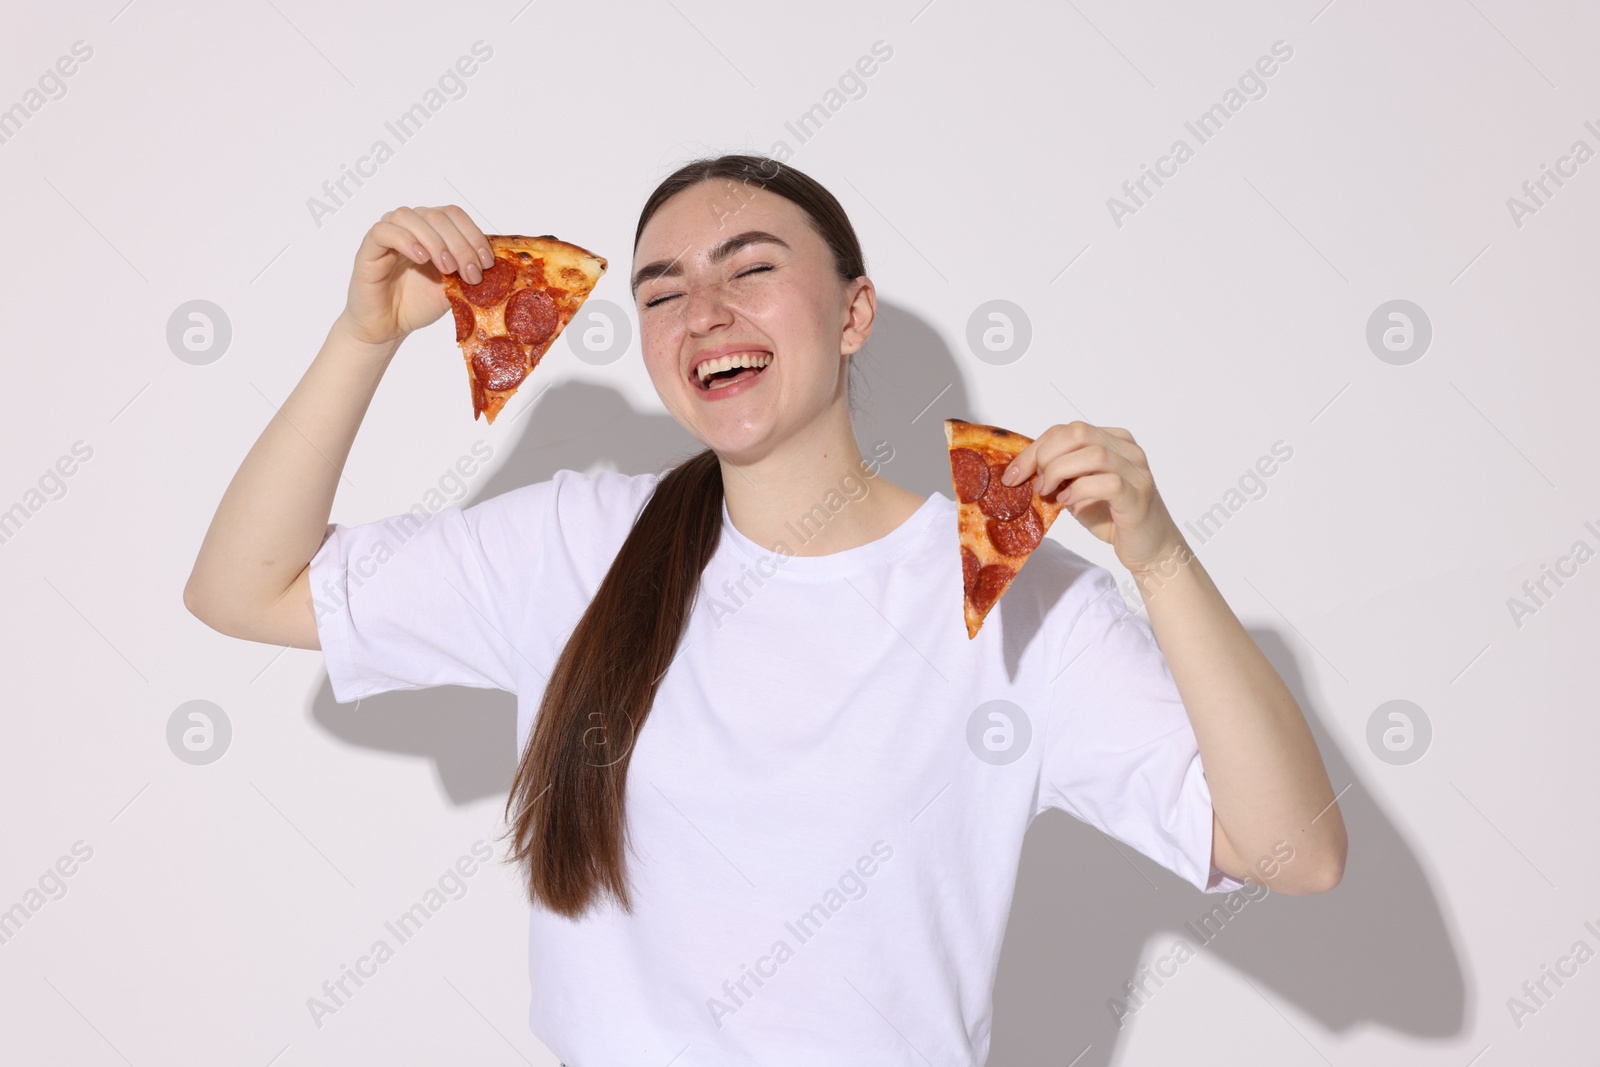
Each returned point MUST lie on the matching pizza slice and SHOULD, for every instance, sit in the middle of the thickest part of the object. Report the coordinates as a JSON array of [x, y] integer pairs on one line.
[[507, 322], [1000, 525]]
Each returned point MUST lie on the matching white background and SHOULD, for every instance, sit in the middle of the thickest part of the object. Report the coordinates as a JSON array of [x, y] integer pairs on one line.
[[1228, 313]]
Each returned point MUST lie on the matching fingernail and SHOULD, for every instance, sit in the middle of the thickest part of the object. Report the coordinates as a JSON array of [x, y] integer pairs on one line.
[[1009, 476], [486, 257]]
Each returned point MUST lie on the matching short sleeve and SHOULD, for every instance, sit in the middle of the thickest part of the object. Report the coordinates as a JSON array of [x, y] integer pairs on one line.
[[425, 598], [1120, 753]]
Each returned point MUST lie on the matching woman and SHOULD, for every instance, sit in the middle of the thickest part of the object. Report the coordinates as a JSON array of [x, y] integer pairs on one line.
[[827, 783]]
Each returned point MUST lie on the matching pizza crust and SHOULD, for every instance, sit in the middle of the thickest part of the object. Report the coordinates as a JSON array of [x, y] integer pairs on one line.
[[566, 272]]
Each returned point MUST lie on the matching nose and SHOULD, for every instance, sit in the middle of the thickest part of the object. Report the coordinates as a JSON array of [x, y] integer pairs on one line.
[[706, 307]]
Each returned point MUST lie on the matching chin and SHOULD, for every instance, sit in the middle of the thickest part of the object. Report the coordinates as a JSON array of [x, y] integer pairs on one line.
[[744, 443], [738, 446]]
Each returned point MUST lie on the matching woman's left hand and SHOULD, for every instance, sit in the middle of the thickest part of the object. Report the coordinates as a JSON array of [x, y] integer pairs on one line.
[[1104, 480]]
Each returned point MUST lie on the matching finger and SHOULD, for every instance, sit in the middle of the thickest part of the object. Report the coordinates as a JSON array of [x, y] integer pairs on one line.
[[1076, 463], [427, 237], [1022, 464], [1053, 442], [391, 235], [1121, 442], [1035, 454], [475, 237], [1120, 439], [460, 249], [1105, 486], [1133, 457]]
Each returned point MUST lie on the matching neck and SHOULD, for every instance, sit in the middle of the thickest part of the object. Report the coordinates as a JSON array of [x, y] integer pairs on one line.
[[817, 494]]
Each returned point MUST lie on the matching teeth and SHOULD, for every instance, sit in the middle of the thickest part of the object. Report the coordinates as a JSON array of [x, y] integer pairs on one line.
[[738, 359]]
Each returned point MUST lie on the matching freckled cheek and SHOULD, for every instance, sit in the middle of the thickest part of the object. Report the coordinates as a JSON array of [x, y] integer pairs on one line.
[[661, 342]]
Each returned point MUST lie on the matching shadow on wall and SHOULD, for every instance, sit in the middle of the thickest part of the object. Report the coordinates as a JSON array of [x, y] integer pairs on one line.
[[1375, 950], [470, 734]]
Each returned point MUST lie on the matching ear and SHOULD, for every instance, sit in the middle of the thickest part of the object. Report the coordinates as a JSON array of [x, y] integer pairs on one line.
[[861, 309]]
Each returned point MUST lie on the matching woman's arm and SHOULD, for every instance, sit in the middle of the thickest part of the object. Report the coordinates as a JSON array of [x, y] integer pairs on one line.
[[271, 519], [1268, 784], [251, 578]]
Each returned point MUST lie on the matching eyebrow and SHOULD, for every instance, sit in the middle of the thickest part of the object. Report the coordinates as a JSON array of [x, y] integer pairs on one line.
[[668, 268]]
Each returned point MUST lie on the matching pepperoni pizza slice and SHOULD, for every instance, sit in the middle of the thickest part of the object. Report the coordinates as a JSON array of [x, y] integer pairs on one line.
[[507, 322], [1000, 525]]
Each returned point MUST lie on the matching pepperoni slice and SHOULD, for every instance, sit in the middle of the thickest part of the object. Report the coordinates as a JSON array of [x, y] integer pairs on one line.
[[531, 316], [992, 581], [969, 570], [1019, 536], [969, 473], [466, 318], [498, 363], [1002, 501], [497, 282]]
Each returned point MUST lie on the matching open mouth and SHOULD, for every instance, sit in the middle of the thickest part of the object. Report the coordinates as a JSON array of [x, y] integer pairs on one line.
[[719, 373]]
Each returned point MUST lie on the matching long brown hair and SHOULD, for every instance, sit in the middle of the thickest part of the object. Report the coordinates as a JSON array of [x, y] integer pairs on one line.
[[570, 784]]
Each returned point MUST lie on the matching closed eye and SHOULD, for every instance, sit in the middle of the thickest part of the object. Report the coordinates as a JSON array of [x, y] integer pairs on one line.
[[741, 274]]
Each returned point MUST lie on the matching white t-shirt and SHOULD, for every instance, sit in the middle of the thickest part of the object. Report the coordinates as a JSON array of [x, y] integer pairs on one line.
[[826, 806]]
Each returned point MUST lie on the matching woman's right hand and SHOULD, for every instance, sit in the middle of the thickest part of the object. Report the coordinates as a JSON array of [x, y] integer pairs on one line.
[[396, 285]]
